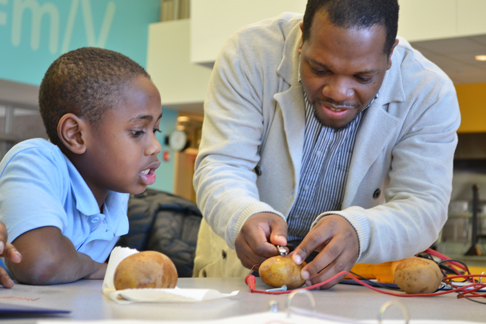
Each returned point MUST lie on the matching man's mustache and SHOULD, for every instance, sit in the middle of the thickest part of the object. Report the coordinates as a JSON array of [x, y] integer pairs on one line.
[[337, 104]]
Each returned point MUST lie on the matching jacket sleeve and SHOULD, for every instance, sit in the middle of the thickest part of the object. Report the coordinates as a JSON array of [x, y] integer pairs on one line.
[[232, 135]]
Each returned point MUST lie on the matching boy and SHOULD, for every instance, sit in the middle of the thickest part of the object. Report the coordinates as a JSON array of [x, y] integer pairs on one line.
[[64, 202]]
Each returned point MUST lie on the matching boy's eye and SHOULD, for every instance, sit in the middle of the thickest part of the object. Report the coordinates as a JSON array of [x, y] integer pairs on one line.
[[137, 133], [156, 130]]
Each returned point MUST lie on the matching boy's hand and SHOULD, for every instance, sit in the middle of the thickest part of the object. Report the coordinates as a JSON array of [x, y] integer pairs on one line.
[[48, 257], [9, 252], [100, 273]]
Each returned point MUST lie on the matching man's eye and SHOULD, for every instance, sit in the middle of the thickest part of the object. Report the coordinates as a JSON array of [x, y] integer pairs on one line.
[[364, 79], [319, 72], [137, 133], [156, 130]]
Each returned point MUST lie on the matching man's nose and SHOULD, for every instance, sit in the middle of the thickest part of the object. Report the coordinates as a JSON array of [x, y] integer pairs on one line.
[[338, 89]]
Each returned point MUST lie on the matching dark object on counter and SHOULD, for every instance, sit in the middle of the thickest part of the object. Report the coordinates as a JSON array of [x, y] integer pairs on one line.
[[474, 249]]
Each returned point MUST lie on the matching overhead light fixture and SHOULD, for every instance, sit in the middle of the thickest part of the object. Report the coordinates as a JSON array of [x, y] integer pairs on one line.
[[480, 57]]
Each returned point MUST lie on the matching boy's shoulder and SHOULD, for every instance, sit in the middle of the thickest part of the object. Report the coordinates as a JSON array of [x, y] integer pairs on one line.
[[32, 146], [34, 153]]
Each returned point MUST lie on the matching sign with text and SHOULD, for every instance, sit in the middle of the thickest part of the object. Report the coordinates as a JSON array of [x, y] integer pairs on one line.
[[33, 33]]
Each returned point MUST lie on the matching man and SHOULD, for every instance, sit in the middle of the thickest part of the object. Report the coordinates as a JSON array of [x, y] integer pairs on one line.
[[328, 130]]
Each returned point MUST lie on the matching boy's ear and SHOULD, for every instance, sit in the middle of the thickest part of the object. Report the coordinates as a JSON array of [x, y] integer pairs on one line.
[[70, 130]]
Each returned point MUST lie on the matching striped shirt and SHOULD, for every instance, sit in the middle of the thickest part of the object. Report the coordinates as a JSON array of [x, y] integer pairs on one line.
[[325, 163]]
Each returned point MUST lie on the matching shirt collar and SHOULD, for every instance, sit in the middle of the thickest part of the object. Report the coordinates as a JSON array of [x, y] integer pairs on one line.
[[85, 201]]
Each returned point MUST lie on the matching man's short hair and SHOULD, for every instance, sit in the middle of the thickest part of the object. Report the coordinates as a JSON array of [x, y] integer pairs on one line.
[[356, 13], [86, 82]]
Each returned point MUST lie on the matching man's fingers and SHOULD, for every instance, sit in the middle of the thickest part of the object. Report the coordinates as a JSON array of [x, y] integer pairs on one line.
[[327, 257], [258, 236], [278, 235], [330, 271], [338, 244], [264, 250], [246, 255], [311, 242], [337, 256], [263, 233], [258, 244]]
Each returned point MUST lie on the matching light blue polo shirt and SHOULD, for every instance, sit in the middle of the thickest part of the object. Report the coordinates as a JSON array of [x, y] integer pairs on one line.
[[40, 187]]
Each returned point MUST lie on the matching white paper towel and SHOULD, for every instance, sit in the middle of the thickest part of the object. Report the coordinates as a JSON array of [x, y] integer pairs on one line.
[[151, 295]]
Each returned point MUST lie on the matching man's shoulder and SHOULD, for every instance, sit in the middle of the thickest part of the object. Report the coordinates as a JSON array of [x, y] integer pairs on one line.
[[261, 46], [273, 30], [282, 21], [413, 64]]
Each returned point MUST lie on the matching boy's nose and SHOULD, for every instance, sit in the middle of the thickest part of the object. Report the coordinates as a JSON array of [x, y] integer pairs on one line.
[[154, 146]]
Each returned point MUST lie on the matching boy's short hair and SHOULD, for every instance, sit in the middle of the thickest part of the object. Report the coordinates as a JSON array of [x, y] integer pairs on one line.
[[86, 82]]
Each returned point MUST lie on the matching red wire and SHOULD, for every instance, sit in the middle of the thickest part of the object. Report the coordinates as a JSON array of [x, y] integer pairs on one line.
[[445, 258], [464, 291]]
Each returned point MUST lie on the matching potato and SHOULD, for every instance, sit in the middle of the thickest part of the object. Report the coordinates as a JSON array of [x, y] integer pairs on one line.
[[281, 270], [147, 269], [418, 276]]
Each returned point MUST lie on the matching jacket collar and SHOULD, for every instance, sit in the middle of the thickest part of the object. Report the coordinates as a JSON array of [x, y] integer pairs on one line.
[[290, 57], [392, 87]]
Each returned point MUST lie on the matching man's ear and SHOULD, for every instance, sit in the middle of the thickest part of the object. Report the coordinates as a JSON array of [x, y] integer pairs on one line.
[[70, 130], [301, 43], [391, 52]]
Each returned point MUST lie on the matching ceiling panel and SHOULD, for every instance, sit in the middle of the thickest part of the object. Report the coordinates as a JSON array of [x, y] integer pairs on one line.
[[456, 56]]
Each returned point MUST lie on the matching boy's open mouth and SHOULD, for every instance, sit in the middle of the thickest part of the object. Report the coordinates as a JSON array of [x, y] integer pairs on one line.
[[145, 171], [148, 175]]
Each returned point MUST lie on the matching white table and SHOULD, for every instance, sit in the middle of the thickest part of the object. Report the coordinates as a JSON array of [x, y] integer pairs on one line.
[[86, 302]]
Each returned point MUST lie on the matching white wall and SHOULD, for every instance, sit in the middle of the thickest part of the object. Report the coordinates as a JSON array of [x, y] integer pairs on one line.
[[437, 19], [180, 52], [213, 21], [182, 84]]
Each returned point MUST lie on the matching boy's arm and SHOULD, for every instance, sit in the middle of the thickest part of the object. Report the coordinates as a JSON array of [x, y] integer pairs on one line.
[[48, 257], [8, 252]]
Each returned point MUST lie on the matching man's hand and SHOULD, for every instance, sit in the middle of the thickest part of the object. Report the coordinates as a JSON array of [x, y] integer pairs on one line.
[[338, 244], [257, 238], [9, 252]]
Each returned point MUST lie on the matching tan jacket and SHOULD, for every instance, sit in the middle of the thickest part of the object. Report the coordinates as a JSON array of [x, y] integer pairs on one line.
[[400, 176]]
